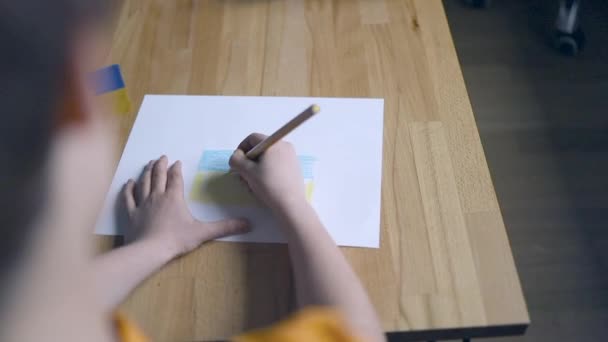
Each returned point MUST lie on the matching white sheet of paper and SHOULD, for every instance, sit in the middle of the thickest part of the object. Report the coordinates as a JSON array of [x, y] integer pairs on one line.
[[345, 139]]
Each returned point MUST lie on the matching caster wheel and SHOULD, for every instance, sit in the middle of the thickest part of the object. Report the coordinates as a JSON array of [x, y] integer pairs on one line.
[[570, 44], [479, 3]]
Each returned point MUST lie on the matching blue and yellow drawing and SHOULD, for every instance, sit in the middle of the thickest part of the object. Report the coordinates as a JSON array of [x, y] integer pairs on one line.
[[215, 184], [110, 86]]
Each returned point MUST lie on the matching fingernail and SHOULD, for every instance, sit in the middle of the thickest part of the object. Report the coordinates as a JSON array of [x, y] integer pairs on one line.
[[243, 225], [177, 166]]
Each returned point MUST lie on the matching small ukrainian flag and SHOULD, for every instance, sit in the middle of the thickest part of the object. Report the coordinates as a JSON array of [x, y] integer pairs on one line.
[[110, 85]]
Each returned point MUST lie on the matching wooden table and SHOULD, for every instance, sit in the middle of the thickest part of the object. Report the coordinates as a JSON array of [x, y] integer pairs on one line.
[[444, 269]]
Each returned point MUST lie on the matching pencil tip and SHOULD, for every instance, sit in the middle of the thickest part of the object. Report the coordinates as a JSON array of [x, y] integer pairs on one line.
[[315, 108]]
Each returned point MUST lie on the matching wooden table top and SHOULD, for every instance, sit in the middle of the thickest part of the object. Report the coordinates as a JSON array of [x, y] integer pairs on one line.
[[445, 267]]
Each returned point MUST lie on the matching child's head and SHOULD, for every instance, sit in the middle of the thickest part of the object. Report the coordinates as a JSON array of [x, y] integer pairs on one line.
[[43, 94], [56, 156]]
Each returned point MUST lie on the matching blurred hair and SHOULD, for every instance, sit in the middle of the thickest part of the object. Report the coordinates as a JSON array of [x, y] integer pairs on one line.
[[35, 39]]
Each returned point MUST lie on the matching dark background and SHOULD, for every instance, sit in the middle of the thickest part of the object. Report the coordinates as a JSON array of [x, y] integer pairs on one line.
[[543, 121]]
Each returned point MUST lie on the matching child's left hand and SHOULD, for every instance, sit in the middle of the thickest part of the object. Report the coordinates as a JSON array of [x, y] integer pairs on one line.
[[157, 211]]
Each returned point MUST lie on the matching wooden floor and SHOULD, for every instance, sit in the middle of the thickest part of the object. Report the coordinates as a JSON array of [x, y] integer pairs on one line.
[[543, 120]]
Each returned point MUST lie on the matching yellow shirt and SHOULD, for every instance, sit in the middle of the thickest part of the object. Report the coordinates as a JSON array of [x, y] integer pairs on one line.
[[311, 324], [127, 331]]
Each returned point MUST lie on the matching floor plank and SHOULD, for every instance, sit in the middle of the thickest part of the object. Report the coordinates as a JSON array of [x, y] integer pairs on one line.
[[543, 121]]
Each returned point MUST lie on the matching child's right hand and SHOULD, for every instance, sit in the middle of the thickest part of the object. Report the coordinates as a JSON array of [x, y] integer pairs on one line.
[[275, 178]]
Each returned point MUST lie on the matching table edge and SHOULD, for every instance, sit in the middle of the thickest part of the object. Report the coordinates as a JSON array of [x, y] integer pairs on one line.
[[459, 333]]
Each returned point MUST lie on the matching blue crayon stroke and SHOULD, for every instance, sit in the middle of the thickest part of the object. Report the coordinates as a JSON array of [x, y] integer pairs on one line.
[[217, 160]]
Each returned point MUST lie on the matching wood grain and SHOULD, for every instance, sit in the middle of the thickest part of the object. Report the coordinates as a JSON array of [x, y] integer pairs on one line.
[[444, 267]]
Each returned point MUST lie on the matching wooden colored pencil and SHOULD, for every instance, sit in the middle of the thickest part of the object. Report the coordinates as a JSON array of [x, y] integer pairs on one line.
[[258, 149]]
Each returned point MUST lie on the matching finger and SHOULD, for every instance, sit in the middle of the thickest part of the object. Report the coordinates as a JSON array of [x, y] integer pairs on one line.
[[223, 228], [175, 180], [143, 186], [159, 175], [251, 140], [127, 195], [239, 161]]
